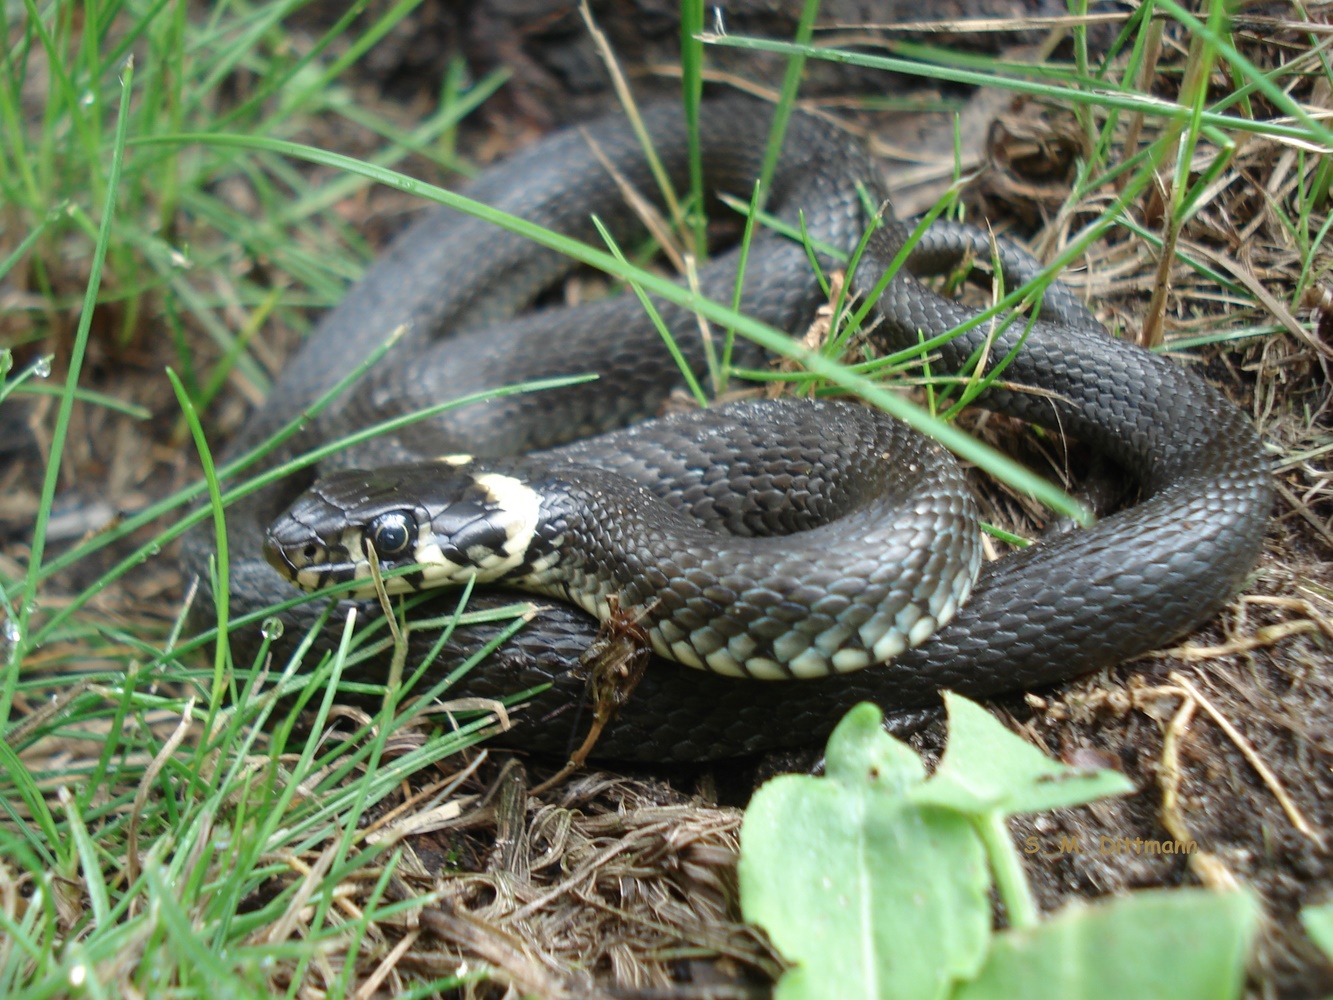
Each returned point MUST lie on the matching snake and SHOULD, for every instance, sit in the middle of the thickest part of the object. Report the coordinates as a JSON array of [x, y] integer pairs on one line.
[[783, 539], [464, 291]]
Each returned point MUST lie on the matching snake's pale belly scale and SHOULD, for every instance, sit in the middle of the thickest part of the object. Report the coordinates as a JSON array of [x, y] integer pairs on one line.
[[1067, 605]]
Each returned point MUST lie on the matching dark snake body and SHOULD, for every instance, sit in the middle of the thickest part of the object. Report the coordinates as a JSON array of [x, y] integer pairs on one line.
[[1070, 604], [773, 539]]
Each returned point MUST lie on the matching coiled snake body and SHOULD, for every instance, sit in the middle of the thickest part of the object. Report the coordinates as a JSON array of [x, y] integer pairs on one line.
[[1070, 604]]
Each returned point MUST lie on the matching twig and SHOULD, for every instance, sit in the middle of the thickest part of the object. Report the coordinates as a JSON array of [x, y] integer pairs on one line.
[[1251, 755]]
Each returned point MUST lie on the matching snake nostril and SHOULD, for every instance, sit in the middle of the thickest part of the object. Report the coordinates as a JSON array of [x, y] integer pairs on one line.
[[310, 552]]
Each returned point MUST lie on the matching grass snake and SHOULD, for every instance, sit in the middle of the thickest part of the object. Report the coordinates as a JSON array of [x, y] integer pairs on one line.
[[1069, 604]]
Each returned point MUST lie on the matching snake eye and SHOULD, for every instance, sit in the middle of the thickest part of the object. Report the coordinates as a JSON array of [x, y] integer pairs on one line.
[[391, 533]]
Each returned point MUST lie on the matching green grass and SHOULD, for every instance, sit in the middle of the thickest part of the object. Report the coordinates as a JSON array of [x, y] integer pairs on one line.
[[168, 829], [148, 840]]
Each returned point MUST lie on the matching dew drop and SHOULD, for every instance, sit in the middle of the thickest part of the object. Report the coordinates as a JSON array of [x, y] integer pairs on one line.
[[42, 367], [271, 629], [86, 99], [11, 631]]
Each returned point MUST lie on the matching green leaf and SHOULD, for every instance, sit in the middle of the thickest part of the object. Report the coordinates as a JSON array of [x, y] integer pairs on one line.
[[1318, 921], [1179, 944], [986, 768], [867, 893]]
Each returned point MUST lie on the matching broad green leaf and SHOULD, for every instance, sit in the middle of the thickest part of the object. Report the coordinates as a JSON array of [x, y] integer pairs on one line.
[[867, 893], [986, 768], [1178, 944], [1318, 921]]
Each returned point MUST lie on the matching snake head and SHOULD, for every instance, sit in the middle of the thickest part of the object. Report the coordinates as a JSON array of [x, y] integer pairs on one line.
[[440, 523], [328, 533]]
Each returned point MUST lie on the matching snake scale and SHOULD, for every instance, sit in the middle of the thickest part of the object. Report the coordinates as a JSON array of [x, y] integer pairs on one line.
[[1069, 604]]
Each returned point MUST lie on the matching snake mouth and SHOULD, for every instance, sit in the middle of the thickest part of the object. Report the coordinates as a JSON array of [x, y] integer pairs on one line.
[[309, 561], [307, 565], [312, 564]]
